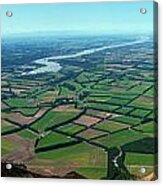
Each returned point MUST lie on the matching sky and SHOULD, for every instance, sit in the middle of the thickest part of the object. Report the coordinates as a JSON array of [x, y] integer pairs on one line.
[[101, 17]]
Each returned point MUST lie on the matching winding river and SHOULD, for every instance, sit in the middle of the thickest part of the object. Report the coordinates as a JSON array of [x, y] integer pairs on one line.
[[55, 67]]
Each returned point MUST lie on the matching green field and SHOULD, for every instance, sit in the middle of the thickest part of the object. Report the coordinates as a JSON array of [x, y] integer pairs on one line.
[[102, 106], [8, 146], [140, 88], [7, 126], [140, 159], [140, 113], [95, 118], [149, 128], [119, 139], [78, 157], [124, 110], [143, 102], [53, 118], [134, 162], [19, 102], [111, 126], [127, 120], [92, 173], [27, 111], [71, 128], [53, 139], [27, 134]]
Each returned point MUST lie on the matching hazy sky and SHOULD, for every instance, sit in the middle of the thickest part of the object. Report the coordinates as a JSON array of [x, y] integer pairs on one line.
[[104, 17]]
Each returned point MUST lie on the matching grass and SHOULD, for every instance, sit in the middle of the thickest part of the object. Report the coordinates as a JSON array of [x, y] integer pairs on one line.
[[151, 116], [27, 111], [127, 120], [146, 144], [48, 96], [143, 102], [102, 107], [66, 92], [8, 146], [112, 90], [150, 92], [76, 156], [149, 128], [115, 90], [140, 159], [101, 87], [27, 134], [124, 110], [53, 118], [112, 93], [7, 126], [92, 173], [136, 171], [109, 100], [71, 128], [135, 161], [75, 85], [140, 88], [19, 102], [53, 139], [111, 126], [118, 101], [119, 139], [82, 78], [140, 113], [127, 83]]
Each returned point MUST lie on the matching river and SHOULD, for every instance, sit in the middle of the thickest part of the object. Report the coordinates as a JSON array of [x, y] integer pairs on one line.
[[55, 67]]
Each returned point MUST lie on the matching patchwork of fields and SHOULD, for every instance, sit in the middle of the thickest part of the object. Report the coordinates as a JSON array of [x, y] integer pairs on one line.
[[95, 118]]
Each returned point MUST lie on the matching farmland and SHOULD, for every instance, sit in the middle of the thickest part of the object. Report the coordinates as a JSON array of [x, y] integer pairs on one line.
[[93, 118]]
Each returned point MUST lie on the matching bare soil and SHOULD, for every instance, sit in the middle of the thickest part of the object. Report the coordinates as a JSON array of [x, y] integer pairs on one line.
[[87, 120]]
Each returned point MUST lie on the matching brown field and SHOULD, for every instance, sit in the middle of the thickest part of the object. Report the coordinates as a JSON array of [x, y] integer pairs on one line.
[[51, 170], [100, 114], [22, 120], [24, 152], [5, 123], [18, 118], [3, 105], [87, 120], [40, 112], [49, 96], [91, 133], [65, 108]]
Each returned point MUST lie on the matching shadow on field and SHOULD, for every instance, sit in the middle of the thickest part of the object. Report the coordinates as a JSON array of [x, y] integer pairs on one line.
[[146, 146]]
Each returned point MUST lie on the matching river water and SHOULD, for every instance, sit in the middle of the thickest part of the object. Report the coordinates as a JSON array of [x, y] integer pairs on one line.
[[55, 67]]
